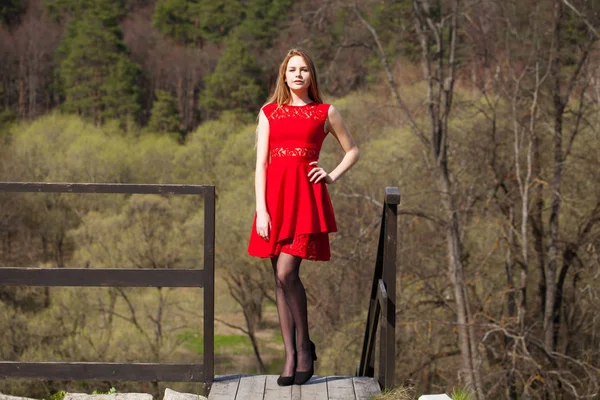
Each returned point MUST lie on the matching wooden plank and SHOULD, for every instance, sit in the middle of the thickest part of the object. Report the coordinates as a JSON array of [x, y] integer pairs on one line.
[[365, 387], [224, 387], [54, 187], [76, 371], [296, 394], [392, 195], [387, 339], [209, 283], [275, 392], [251, 387], [340, 388], [95, 277], [367, 359], [315, 389]]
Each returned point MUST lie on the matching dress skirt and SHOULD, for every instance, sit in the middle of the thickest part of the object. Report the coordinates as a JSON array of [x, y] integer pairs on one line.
[[301, 212]]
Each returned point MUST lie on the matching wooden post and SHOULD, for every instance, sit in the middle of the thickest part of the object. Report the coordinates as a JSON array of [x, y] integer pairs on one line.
[[209, 287], [387, 337], [382, 303]]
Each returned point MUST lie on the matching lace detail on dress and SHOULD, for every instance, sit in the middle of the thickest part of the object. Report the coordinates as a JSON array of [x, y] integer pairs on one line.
[[293, 152], [308, 111], [310, 246]]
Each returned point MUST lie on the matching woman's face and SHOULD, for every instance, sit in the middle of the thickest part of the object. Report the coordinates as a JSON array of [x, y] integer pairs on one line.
[[297, 74]]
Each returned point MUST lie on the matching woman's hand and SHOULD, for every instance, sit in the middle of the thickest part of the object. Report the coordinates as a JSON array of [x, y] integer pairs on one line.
[[263, 224], [318, 173]]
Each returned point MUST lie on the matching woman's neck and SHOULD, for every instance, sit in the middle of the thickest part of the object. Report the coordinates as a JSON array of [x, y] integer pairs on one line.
[[299, 98]]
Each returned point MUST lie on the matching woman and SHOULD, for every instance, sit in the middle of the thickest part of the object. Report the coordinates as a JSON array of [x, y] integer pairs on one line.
[[293, 210]]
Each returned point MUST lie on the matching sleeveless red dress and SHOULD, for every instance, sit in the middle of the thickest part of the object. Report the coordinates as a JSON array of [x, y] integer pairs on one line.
[[301, 212]]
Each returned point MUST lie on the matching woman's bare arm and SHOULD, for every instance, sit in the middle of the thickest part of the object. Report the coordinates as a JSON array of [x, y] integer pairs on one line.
[[335, 125], [263, 222]]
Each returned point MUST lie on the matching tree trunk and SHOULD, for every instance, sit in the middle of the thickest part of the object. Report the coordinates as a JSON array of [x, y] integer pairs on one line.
[[439, 70], [555, 196]]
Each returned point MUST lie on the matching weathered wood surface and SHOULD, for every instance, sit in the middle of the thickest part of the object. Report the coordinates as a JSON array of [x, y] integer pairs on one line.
[[264, 387]]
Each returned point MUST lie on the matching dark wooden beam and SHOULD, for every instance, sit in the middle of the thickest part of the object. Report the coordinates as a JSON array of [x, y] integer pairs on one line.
[[392, 195], [209, 290], [78, 371], [46, 187], [102, 277]]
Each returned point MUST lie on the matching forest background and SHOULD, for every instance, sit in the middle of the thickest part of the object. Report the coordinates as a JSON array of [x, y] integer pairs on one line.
[[486, 115]]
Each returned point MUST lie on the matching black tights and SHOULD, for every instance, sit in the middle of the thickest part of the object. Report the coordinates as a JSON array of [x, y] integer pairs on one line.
[[291, 307]]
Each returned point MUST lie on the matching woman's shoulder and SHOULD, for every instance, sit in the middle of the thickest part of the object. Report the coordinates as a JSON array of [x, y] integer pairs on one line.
[[330, 109], [268, 109]]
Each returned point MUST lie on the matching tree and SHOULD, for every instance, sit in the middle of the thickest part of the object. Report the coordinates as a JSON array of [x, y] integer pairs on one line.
[[64, 9], [175, 18], [193, 21], [11, 10], [152, 232], [97, 76], [261, 22], [164, 117], [235, 84], [5, 114]]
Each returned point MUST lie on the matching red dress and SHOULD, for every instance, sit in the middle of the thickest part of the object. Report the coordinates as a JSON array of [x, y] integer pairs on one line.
[[301, 212]]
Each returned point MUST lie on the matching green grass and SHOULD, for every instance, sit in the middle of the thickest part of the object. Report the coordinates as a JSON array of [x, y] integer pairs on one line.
[[408, 393], [60, 395], [399, 393], [112, 390], [224, 344], [461, 394]]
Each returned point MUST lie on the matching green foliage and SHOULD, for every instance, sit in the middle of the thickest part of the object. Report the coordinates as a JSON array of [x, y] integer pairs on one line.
[[60, 395], [11, 10], [262, 21], [461, 394], [150, 231], [68, 149], [6, 115], [191, 21], [196, 161], [164, 117], [120, 94], [392, 20], [97, 76], [58, 9], [112, 390], [216, 19], [235, 84], [174, 18]]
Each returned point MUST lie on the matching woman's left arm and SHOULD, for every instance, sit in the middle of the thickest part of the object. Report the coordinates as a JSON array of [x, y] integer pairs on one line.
[[335, 125]]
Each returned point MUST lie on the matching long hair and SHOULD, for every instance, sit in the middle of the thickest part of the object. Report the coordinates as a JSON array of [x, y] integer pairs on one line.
[[281, 94]]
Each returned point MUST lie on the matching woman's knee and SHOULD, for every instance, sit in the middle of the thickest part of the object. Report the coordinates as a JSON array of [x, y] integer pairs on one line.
[[286, 279]]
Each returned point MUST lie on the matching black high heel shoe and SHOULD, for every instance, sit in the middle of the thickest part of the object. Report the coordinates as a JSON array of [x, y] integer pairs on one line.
[[304, 376], [288, 380]]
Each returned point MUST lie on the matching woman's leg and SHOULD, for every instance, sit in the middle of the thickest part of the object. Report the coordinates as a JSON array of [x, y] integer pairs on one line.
[[287, 272], [286, 323]]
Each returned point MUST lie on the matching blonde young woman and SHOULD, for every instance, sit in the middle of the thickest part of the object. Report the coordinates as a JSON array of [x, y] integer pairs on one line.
[[293, 209]]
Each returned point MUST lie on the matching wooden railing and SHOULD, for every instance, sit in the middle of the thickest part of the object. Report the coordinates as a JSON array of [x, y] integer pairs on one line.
[[382, 305], [121, 278]]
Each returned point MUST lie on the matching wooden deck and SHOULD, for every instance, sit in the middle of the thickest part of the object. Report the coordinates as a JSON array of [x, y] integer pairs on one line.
[[264, 387]]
